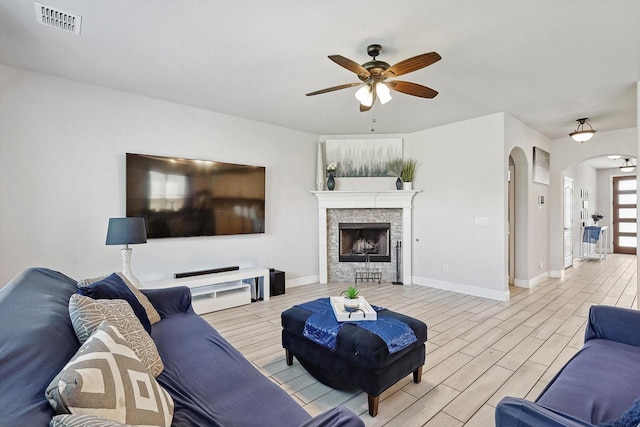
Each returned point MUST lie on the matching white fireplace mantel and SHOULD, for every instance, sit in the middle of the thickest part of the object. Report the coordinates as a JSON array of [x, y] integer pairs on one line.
[[383, 199]]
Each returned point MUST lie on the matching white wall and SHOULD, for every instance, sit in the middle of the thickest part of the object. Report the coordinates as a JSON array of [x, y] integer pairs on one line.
[[62, 159], [462, 178]]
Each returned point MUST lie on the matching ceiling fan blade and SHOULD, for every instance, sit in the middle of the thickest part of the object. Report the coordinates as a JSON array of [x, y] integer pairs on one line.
[[331, 89], [412, 64], [350, 65], [412, 89]]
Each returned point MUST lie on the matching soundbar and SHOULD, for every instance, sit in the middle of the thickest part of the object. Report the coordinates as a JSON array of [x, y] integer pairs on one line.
[[201, 272]]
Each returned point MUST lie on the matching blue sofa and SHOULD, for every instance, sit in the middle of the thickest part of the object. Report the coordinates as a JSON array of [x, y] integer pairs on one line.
[[598, 386], [211, 383]]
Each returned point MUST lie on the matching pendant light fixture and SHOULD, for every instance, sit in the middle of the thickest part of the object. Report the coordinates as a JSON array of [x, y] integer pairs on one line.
[[627, 166], [581, 134]]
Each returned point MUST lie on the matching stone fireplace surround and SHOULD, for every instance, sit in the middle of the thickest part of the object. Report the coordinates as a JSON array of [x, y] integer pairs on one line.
[[389, 200], [338, 271]]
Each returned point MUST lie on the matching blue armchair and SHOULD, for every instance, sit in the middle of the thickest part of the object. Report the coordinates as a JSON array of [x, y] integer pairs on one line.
[[598, 385]]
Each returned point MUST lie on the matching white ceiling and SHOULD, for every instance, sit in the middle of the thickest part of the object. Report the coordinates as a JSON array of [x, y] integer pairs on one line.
[[547, 63]]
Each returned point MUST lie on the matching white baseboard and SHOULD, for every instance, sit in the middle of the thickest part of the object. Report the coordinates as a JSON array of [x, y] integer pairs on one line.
[[530, 283], [302, 281], [557, 274], [460, 288]]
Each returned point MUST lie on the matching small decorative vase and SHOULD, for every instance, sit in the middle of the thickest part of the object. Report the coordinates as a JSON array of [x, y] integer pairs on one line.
[[399, 183], [407, 185], [331, 182]]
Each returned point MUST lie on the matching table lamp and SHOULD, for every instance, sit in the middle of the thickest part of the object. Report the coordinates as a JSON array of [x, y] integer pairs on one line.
[[127, 231]]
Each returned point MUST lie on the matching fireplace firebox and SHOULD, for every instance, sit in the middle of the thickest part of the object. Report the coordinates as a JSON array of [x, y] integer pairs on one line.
[[361, 241]]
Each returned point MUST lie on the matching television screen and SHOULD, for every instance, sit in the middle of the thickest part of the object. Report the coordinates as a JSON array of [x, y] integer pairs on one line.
[[185, 197]]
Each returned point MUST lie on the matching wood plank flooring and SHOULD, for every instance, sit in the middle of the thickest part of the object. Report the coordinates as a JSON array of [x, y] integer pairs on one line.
[[478, 350]]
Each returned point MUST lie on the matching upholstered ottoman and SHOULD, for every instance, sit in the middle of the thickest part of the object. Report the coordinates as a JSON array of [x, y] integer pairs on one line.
[[359, 357]]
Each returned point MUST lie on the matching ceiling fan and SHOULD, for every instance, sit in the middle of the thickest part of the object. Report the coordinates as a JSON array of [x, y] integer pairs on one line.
[[373, 76]]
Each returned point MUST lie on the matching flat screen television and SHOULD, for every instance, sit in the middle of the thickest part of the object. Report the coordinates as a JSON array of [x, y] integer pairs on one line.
[[185, 197]]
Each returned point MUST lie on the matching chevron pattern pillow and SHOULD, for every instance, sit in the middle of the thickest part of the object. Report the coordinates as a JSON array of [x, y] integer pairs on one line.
[[87, 314], [107, 379]]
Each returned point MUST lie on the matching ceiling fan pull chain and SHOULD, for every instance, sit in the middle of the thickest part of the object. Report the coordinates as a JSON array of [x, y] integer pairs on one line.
[[373, 121]]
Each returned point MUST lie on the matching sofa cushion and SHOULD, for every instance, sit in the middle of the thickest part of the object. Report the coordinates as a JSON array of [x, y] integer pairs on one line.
[[598, 384], [71, 420], [152, 313], [113, 287], [212, 384], [106, 378], [87, 314], [36, 341]]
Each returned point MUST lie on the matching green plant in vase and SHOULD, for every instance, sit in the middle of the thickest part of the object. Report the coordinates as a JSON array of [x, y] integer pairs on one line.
[[351, 299], [409, 167]]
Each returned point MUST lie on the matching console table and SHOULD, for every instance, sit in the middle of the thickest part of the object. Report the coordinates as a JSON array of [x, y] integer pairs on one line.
[[217, 291]]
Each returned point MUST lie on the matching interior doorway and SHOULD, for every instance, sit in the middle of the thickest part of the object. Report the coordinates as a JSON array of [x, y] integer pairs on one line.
[[511, 220], [517, 216]]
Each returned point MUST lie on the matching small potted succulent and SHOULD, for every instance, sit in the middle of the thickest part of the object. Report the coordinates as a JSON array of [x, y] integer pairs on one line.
[[596, 217], [351, 300]]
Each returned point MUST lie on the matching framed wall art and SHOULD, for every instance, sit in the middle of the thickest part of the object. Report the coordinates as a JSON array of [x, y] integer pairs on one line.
[[540, 166], [363, 157]]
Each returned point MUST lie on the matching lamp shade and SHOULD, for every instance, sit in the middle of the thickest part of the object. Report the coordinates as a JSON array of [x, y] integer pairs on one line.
[[126, 231]]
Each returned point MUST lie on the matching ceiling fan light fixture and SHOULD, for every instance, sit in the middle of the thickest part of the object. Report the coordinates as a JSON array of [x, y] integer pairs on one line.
[[581, 134], [627, 166], [383, 92], [365, 95]]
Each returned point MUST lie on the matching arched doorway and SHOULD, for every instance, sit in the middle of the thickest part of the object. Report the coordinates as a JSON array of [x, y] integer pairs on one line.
[[517, 218]]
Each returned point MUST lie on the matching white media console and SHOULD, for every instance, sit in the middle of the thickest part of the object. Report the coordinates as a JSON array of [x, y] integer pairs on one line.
[[217, 291]]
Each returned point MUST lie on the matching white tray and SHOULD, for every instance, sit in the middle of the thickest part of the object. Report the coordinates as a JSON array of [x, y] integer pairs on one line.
[[342, 315]]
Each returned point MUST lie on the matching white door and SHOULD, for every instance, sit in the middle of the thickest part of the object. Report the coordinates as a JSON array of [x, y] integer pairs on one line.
[[568, 221]]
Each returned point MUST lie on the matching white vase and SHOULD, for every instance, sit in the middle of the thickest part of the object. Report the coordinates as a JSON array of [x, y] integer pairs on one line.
[[407, 185], [320, 169]]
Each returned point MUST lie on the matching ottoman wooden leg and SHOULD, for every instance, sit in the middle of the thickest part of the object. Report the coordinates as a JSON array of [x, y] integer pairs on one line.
[[417, 374], [373, 405], [289, 356]]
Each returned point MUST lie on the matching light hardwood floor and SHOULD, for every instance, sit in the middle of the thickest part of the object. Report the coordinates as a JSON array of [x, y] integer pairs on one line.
[[478, 350]]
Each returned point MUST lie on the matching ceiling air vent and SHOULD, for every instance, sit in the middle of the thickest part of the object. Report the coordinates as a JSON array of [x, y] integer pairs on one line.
[[56, 18]]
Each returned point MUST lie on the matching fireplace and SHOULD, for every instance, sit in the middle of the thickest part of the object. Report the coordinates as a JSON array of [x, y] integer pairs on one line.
[[363, 242]]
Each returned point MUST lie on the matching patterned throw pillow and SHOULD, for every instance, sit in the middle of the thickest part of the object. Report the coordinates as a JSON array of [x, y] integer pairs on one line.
[[68, 420], [152, 313], [113, 287], [106, 378], [87, 314]]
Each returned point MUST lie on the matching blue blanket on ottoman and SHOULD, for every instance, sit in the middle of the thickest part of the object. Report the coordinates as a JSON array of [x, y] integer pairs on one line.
[[322, 327]]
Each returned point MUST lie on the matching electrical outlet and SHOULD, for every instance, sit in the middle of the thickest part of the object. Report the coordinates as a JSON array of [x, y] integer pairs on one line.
[[445, 267], [482, 220]]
